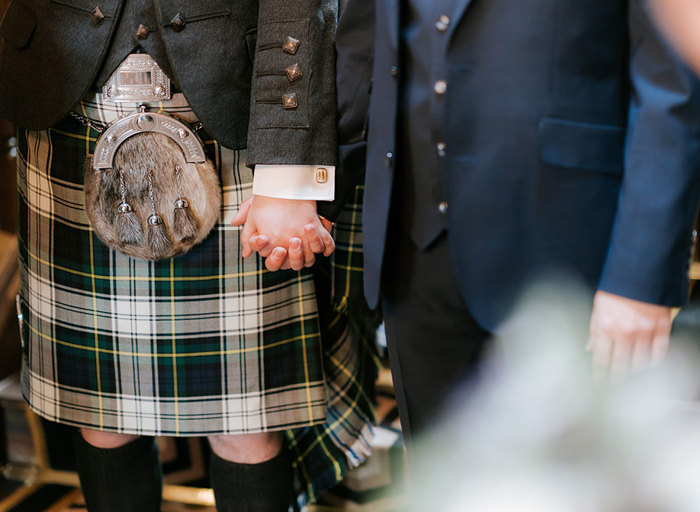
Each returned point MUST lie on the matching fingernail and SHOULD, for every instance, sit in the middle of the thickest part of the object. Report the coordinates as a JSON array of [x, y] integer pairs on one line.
[[296, 243]]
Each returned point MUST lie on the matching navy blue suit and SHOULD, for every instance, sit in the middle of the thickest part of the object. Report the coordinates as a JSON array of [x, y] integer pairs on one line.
[[571, 143]]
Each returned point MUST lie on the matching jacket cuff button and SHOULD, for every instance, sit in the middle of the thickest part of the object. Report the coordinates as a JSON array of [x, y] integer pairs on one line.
[[291, 45], [289, 101], [294, 72]]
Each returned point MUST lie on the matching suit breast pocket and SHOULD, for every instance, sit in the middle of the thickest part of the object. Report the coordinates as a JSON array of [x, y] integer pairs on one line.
[[579, 145]]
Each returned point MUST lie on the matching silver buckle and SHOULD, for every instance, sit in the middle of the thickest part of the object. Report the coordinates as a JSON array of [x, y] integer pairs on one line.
[[137, 79]]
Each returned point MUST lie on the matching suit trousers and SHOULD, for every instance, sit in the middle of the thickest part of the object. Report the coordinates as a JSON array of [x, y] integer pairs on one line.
[[434, 342]]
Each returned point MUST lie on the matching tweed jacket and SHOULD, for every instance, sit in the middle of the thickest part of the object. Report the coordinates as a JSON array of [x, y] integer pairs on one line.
[[227, 57]]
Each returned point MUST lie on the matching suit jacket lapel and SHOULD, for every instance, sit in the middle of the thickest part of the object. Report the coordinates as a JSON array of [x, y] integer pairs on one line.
[[392, 9], [460, 9]]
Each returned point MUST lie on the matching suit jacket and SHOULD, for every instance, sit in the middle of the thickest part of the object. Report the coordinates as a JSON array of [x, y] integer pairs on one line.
[[572, 145], [355, 52], [227, 58]]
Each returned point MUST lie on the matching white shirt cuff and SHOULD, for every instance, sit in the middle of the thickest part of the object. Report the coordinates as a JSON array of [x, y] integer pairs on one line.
[[295, 181]]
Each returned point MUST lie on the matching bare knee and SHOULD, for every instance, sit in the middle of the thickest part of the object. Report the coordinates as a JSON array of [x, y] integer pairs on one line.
[[107, 440], [247, 448]]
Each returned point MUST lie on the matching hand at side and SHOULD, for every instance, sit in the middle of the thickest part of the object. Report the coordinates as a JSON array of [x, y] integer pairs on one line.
[[626, 335]]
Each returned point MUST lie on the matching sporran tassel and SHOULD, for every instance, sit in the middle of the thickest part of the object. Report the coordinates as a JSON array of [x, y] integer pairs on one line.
[[185, 224], [158, 238], [127, 223]]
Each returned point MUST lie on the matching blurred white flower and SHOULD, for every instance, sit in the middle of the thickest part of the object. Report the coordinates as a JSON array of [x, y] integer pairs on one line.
[[534, 434]]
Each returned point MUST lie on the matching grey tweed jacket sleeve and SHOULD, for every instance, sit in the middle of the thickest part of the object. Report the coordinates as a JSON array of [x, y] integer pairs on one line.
[[293, 97]]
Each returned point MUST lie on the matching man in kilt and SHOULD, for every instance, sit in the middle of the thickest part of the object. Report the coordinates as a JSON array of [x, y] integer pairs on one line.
[[204, 343]]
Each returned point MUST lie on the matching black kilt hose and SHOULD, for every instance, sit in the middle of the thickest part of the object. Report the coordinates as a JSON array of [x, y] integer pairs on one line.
[[200, 344]]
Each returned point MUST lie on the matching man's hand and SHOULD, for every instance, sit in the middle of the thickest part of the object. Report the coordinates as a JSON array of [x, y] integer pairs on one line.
[[626, 334], [287, 232], [679, 20]]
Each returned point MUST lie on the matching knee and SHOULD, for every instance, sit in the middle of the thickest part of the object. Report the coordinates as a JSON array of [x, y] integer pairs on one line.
[[247, 448], [106, 440]]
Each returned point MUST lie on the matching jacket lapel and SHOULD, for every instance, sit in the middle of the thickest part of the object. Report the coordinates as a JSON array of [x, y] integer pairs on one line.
[[460, 9], [392, 9]]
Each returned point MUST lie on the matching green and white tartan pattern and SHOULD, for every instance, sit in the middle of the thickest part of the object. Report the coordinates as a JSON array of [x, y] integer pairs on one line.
[[204, 343]]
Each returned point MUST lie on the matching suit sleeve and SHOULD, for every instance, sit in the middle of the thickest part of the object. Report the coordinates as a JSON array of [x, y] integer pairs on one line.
[[355, 58], [293, 105], [649, 251]]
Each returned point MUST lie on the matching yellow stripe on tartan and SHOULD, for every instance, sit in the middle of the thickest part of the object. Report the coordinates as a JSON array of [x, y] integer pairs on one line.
[[302, 321], [372, 349], [93, 284], [174, 349], [343, 305], [86, 138], [349, 269], [182, 279], [97, 337], [350, 410], [351, 378], [333, 323], [336, 467], [122, 353], [299, 463]]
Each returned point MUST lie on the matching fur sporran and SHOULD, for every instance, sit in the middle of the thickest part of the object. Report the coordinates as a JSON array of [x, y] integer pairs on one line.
[[152, 203]]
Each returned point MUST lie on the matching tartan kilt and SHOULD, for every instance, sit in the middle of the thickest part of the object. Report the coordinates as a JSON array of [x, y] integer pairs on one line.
[[204, 343]]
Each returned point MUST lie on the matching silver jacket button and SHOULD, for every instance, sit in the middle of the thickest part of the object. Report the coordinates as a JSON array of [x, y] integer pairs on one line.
[[443, 23], [440, 87]]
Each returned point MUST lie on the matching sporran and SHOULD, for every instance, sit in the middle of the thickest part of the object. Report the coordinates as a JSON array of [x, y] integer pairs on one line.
[[149, 190]]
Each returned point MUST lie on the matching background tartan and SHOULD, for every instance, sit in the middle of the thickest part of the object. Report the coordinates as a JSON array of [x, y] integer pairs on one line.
[[203, 343]]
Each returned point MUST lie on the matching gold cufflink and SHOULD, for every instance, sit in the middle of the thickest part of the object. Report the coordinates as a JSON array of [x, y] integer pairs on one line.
[[321, 175], [291, 45], [293, 72], [289, 101]]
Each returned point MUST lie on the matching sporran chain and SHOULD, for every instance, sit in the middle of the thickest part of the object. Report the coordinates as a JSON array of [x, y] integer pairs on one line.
[[85, 121]]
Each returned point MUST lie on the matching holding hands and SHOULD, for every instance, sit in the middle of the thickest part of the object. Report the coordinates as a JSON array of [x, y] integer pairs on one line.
[[288, 233]]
